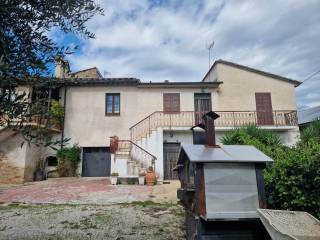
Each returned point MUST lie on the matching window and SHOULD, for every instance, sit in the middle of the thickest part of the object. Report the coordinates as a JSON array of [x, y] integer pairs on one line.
[[112, 103], [171, 102]]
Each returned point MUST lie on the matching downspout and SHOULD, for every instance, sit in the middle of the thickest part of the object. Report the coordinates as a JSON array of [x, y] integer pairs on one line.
[[64, 115]]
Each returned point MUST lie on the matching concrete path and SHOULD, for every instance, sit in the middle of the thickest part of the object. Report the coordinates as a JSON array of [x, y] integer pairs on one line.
[[86, 191]]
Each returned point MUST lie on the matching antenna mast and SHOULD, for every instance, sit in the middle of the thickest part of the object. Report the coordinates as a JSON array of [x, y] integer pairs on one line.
[[209, 46]]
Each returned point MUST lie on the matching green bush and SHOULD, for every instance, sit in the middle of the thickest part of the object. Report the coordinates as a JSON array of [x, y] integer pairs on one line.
[[293, 180], [252, 135], [68, 161], [312, 132], [57, 112]]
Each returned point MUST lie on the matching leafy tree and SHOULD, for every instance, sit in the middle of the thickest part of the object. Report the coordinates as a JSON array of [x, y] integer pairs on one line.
[[27, 52]]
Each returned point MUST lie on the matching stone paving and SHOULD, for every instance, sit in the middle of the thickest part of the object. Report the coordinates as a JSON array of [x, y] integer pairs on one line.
[[85, 191]]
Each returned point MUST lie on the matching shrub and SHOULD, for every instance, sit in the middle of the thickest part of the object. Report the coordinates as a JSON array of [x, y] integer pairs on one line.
[[57, 112], [68, 162], [293, 180], [312, 132], [252, 135]]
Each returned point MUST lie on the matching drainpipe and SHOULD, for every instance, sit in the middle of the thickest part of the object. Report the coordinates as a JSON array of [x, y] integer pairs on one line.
[[64, 115]]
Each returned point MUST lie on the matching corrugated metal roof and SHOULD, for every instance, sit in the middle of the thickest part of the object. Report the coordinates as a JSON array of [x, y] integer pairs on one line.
[[225, 153], [308, 115]]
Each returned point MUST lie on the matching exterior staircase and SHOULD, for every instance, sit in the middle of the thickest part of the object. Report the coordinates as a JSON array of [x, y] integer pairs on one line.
[[138, 159]]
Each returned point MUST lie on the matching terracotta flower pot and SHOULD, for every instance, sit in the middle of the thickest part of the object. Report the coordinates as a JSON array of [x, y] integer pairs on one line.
[[150, 178]]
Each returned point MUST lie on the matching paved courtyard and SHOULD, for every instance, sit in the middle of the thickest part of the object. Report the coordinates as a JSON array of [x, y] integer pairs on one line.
[[86, 191]]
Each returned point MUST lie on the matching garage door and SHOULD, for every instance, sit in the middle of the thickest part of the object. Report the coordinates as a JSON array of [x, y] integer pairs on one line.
[[170, 159], [96, 162]]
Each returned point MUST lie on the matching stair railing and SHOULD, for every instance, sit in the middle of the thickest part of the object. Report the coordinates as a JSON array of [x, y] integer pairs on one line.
[[143, 158]]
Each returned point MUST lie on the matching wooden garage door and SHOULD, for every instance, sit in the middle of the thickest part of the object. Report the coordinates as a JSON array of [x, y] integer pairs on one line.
[[96, 162], [170, 158], [264, 109]]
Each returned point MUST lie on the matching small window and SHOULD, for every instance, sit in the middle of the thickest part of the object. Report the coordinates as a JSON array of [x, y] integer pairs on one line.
[[112, 103], [171, 102]]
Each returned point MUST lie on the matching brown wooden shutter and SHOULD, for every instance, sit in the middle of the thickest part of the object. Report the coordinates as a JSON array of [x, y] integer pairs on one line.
[[171, 102], [264, 109]]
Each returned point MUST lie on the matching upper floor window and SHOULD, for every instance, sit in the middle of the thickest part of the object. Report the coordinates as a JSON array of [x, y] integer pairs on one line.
[[112, 103], [171, 102]]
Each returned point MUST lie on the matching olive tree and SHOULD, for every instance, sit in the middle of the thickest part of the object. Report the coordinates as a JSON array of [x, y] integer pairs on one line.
[[27, 52]]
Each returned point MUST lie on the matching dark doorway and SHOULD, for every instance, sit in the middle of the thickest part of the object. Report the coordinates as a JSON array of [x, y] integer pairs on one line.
[[52, 161], [264, 109], [202, 105], [96, 162], [170, 158]]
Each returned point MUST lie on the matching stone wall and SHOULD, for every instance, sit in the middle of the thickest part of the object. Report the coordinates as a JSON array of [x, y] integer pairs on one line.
[[87, 73], [9, 173], [17, 163]]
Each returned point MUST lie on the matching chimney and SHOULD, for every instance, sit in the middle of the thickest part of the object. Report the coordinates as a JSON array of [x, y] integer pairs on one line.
[[62, 67], [209, 136], [208, 119]]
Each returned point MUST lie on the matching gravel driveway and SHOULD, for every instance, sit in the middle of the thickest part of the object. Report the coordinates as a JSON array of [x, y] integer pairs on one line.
[[136, 220]]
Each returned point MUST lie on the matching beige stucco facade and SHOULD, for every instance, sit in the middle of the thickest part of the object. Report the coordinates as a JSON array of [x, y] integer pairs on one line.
[[87, 125], [237, 93]]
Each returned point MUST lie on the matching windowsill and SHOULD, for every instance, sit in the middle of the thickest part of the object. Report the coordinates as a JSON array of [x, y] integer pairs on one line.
[[112, 115]]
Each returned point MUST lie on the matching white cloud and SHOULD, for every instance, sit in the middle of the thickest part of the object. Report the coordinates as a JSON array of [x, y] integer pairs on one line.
[[158, 40]]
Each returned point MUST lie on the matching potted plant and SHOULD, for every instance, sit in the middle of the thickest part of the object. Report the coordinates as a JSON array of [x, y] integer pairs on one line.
[[114, 178], [39, 174], [150, 177], [141, 177]]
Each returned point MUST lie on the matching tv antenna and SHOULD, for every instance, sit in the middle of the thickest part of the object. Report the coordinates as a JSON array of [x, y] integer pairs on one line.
[[209, 47], [106, 73]]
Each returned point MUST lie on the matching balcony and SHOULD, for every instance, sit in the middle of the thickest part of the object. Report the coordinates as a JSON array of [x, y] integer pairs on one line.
[[227, 119], [40, 121]]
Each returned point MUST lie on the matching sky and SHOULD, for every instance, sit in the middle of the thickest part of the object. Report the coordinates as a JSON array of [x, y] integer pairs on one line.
[[167, 40]]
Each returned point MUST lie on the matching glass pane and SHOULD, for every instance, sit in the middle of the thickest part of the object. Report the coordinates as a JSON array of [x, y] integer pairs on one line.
[[109, 103], [116, 104]]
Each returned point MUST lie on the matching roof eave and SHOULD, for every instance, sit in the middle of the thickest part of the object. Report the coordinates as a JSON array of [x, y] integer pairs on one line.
[[180, 84], [246, 68]]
